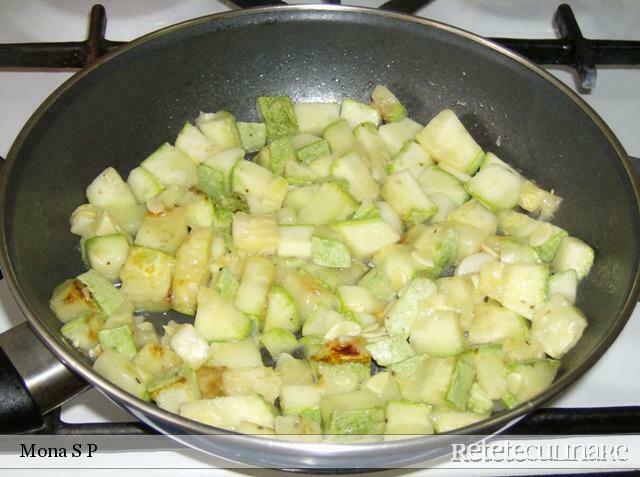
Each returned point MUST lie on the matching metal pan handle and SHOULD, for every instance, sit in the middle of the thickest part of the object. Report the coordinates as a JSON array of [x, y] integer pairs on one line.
[[32, 380]]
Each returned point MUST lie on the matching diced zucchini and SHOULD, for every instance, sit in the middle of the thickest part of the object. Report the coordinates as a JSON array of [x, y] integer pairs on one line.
[[384, 385], [106, 254], [411, 157], [340, 137], [116, 368], [405, 310], [461, 383], [448, 142], [295, 241], [250, 179], [108, 297], [439, 242], [375, 151], [190, 345], [72, 298], [82, 331], [313, 118], [293, 371], [109, 191], [434, 180], [143, 184], [171, 166], [403, 193], [281, 151], [329, 253], [214, 174], [313, 151], [258, 234], [512, 251], [391, 350], [470, 239], [378, 284], [366, 237], [321, 321], [235, 355], [328, 204], [83, 220], [228, 412], [565, 283], [525, 381], [398, 264], [281, 311], [254, 287], [226, 284], [445, 207], [307, 293], [557, 326], [195, 144], [396, 134], [299, 197], [390, 108], [536, 200], [174, 387], [218, 319], [253, 136], [574, 254], [517, 225], [210, 382], [432, 383], [522, 349], [164, 231], [524, 287], [299, 174], [354, 170], [496, 187], [191, 270], [491, 371], [493, 323], [357, 422], [277, 114], [154, 358], [359, 299], [407, 418], [119, 339], [445, 420], [258, 380], [437, 333], [278, 341], [356, 113], [221, 129], [304, 139], [301, 400], [474, 213], [341, 407], [334, 277]]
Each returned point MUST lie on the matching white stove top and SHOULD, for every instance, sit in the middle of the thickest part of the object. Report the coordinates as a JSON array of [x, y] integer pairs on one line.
[[615, 98]]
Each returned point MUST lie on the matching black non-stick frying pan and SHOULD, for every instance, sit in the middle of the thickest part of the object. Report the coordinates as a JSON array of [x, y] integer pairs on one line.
[[119, 110]]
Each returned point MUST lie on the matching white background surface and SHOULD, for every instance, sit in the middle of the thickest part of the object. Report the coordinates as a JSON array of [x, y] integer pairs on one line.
[[615, 98]]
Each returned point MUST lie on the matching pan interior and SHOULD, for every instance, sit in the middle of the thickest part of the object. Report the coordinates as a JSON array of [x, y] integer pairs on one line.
[[119, 113]]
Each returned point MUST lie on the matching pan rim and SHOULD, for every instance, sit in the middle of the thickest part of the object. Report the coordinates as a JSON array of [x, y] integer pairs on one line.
[[156, 414]]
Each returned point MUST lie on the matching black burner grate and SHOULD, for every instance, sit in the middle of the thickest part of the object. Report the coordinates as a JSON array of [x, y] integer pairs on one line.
[[570, 49]]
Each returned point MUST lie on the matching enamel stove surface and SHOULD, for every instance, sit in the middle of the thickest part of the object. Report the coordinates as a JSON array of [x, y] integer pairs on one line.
[[615, 98]]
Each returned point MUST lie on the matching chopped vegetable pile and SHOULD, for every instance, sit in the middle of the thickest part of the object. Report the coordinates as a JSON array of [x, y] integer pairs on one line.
[[363, 274]]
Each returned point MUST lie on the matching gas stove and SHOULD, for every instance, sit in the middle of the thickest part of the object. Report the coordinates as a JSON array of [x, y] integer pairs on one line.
[[606, 73]]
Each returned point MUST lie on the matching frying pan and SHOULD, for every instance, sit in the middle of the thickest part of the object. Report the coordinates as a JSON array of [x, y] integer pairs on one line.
[[119, 110]]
